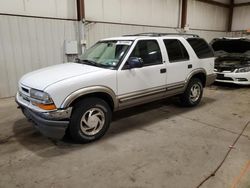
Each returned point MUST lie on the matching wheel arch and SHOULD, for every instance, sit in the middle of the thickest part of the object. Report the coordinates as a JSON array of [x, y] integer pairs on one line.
[[197, 73], [102, 92]]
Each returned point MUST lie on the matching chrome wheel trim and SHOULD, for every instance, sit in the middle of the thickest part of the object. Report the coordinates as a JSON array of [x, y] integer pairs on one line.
[[92, 121], [195, 92]]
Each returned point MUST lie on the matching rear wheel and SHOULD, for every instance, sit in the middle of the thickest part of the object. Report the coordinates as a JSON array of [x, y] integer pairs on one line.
[[193, 93], [90, 120]]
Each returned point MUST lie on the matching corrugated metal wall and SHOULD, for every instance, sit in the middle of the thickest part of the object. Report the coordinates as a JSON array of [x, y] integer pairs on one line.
[[241, 18], [47, 8], [97, 31], [205, 16], [27, 44], [162, 15], [144, 12]]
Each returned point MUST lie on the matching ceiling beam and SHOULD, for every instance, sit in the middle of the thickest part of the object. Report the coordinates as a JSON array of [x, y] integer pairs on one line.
[[242, 4], [215, 3], [80, 9]]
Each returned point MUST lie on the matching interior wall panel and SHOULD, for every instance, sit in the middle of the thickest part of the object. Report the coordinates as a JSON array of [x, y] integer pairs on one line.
[[241, 18], [201, 15], [45, 8], [97, 31], [28, 44], [141, 12]]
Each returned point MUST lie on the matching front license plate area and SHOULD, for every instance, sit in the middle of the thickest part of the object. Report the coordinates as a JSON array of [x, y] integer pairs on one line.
[[220, 76]]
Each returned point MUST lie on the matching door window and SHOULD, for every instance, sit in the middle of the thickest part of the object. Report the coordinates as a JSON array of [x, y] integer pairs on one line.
[[149, 51], [176, 51]]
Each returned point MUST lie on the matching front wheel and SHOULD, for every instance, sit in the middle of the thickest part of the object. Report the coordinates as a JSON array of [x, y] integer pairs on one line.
[[193, 93], [90, 120]]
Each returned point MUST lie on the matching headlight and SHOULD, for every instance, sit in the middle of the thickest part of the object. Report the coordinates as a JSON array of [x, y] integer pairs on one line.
[[42, 100], [244, 69], [41, 96]]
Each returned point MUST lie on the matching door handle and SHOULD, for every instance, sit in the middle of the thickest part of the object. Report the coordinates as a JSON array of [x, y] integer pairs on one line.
[[163, 71], [190, 66]]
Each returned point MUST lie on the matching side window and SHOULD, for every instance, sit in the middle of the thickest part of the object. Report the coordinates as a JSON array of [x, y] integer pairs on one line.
[[149, 51], [176, 51], [200, 47]]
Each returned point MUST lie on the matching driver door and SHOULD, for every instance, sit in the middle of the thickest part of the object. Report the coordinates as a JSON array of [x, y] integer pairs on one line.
[[136, 85]]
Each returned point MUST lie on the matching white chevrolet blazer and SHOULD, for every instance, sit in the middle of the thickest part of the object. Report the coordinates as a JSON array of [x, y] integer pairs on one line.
[[114, 74]]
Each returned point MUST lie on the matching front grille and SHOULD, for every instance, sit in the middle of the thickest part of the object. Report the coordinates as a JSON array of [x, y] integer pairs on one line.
[[221, 69], [24, 97], [25, 90], [222, 77]]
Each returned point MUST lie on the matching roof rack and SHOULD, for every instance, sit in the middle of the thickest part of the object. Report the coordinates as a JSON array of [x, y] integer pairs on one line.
[[152, 34]]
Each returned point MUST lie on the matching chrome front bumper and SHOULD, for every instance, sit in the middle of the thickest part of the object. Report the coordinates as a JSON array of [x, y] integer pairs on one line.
[[233, 78], [52, 124]]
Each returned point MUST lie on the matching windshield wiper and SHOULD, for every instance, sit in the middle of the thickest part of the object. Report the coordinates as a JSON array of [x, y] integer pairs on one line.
[[89, 62], [93, 63]]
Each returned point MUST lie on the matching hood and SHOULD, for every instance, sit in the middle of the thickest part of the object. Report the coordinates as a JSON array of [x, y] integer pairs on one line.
[[42, 78], [231, 47]]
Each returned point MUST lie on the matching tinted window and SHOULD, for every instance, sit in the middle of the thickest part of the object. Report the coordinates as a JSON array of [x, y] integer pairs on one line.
[[149, 51], [200, 47], [176, 50]]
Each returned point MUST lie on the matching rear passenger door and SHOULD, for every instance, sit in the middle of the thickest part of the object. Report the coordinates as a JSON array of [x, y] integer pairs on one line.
[[178, 61]]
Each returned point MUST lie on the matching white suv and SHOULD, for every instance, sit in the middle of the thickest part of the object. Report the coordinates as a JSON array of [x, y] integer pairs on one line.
[[114, 74]]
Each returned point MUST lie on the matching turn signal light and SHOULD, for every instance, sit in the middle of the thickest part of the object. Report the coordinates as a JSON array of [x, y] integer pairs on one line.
[[45, 106]]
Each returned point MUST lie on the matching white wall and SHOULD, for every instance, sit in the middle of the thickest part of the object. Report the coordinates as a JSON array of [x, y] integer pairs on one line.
[[241, 18], [142, 12], [201, 15], [28, 44], [97, 31], [44, 8], [155, 13]]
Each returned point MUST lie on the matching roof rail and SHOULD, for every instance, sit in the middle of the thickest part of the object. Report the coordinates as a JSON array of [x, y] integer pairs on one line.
[[152, 34]]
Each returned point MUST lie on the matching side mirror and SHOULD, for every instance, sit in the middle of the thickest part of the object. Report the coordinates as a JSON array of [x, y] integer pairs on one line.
[[135, 62]]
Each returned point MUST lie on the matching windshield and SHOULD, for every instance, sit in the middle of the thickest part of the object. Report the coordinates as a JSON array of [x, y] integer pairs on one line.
[[232, 46], [106, 53]]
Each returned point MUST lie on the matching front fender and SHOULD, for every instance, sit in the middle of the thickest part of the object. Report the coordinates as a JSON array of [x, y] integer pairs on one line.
[[88, 90]]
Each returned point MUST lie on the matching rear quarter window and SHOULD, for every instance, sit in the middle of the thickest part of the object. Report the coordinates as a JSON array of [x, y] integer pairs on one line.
[[201, 47]]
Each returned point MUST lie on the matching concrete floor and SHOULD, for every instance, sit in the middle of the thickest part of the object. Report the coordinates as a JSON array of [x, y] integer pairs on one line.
[[156, 145]]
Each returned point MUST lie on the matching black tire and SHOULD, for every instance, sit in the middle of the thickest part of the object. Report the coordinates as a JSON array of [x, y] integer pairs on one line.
[[186, 99], [81, 111]]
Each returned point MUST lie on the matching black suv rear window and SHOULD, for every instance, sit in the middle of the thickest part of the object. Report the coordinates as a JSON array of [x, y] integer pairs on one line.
[[201, 47]]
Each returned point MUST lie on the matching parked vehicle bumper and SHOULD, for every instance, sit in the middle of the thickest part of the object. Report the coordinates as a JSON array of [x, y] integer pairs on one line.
[[234, 78], [52, 124]]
